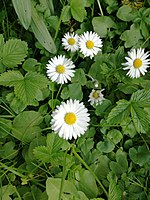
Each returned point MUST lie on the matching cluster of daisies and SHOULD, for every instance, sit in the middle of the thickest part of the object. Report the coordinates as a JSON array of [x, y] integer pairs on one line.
[[71, 119]]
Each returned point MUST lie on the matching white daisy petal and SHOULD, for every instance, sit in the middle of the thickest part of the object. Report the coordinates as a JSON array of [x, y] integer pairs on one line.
[[137, 63], [60, 69], [70, 42], [90, 44], [70, 119], [96, 97]]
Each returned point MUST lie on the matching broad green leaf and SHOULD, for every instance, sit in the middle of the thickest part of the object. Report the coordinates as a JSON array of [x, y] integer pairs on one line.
[[102, 25], [141, 118], [25, 88], [79, 77], [101, 109], [139, 156], [126, 13], [26, 126], [121, 158], [141, 98], [66, 16], [41, 32], [78, 9], [106, 146], [30, 65], [87, 184], [8, 151], [119, 113], [5, 127], [75, 91], [13, 53], [53, 186], [54, 142], [132, 36], [42, 153], [23, 10], [6, 191], [114, 135]]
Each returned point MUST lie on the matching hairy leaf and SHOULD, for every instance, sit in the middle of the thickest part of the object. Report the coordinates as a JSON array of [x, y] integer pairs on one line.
[[140, 118], [23, 10], [25, 88], [119, 113], [13, 53], [141, 97], [41, 32]]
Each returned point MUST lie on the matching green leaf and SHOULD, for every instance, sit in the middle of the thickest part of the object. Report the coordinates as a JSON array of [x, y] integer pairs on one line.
[[139, 156], [23, 10], [5, 127], [41, 32], [87, 184], [120, 112], [114, 189], [141, 98], [140, 118], [101, 109], [79, 77], [75, 91], [13, 53], [66, 16], [53, 186], [78, 9], [26, 126], [132, 36], [8, 151], [25, 88], [106, 147], [115, 136], [6, 191], [30, 65], [126, 13], [102, 25]]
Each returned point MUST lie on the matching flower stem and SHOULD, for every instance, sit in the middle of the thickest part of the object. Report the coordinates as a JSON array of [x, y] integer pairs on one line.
[[100, 8], [90, 170]]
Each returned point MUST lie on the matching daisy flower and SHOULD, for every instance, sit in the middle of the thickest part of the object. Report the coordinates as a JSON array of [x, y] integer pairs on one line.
[[96, 97], [70, 119], [60, 69], [137, 63], [70, 42], [90, 44]]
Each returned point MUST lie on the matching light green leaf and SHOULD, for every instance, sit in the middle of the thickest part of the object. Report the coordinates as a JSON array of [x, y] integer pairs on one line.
[[6, 191], [66, 13], [114, 135], [78, 9], [126, 13], [102, 25], [132, 36], [141, 98], [79, 77], [41, 32], [107, 146], [13, 53], [75, 91], [53, 186], [25, 88], [139, 156], [120, 112], [41, 153], [140, 118], [23, 10], [26, 126], [54, 142]]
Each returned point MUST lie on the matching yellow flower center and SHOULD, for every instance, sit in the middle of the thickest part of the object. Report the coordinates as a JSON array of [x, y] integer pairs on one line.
[[137, 63], [60, 69], [89, 44], [95, 95], [70, 118], [71, 41]]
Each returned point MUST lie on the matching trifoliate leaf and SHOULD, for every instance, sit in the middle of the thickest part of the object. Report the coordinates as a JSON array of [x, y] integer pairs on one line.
[[26, 126], [78, 9], [140, 117], [13, 53], [25, 88], [119, 113], [142, 98], [23, 10]]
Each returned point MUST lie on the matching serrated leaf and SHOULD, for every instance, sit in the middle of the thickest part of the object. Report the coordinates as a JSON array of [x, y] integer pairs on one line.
[[42, 153], [26, 126], [119, 113], [54, 142], [114, 190], [141, 118], [13, 53], [78, 9], [25, 88], [23, 10], [141, 97], [41, 32]]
